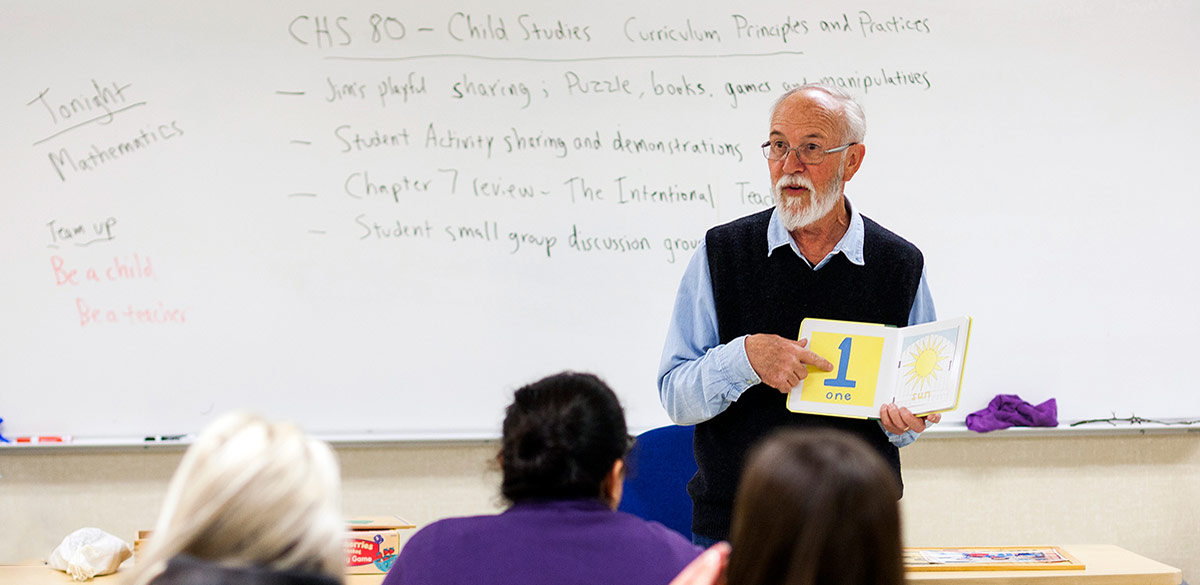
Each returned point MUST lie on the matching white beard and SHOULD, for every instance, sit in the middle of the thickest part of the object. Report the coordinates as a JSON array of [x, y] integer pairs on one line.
[[795, 212]]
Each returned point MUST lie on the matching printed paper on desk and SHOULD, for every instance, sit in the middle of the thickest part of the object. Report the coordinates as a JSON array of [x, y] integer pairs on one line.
[[918, 367]]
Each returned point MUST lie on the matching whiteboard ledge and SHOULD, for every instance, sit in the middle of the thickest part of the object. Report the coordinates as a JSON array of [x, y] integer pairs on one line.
[[958, 430], [946, 430], [335, 439]]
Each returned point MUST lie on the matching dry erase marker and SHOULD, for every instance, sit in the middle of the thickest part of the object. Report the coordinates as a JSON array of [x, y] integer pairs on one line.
[[165, 438], [45, 439]]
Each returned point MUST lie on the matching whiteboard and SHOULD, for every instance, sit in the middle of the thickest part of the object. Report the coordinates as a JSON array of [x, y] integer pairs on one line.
[[385, 217]]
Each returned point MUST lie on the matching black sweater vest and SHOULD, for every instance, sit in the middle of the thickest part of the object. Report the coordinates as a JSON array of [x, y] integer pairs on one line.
[[756, 293]]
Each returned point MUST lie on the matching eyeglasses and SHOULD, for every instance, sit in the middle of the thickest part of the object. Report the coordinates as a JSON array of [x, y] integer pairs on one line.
[[810, 153]]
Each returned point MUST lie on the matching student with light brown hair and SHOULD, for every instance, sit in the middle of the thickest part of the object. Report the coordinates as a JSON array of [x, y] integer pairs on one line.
[[252, 503], [814, 507]]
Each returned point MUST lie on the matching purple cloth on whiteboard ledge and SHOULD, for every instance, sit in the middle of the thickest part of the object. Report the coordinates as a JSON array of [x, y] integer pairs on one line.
[[1007, 410]]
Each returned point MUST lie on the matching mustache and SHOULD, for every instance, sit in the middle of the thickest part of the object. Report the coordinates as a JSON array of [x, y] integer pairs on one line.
[[794, 181]]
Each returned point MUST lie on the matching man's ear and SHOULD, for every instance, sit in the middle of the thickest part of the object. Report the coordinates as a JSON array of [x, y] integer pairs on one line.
[[854, 158]]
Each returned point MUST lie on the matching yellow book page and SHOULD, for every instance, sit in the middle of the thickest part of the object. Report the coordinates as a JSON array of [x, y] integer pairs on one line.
[[855, 376]]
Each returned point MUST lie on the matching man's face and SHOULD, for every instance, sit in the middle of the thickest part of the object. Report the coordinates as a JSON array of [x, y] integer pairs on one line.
[[806, 193]]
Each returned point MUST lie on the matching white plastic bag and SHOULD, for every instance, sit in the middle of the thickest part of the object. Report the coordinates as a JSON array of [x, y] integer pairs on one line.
[[88, 552]]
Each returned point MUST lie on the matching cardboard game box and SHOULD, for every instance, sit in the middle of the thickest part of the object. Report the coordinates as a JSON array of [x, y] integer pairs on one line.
[[372, 543]]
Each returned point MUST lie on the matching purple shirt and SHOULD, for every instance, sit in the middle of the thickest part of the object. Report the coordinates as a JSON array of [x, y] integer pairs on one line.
[[571, 542]]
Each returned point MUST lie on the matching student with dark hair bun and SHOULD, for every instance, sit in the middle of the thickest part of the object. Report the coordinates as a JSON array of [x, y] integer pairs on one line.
[[564, 437], [562, 459], [813, 507]]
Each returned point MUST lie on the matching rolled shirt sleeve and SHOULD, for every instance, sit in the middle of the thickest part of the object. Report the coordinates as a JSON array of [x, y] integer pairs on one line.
[[698, 377]]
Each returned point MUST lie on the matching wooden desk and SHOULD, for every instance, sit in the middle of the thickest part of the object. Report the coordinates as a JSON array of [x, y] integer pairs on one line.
[[1106, 565], [42, 575]]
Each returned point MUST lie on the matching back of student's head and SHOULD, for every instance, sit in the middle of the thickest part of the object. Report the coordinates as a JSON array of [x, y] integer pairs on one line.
[[251, 493], [562, 436], [816, 507]]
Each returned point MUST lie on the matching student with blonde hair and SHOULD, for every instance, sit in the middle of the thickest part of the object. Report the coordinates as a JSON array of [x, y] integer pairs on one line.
[[814, 507], [252, 503]]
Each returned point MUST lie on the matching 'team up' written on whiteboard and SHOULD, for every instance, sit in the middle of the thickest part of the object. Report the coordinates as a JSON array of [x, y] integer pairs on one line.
[[918, 367]]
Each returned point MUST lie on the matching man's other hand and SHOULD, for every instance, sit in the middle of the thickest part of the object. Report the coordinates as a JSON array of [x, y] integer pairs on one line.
[[782, 363], [897, 419]]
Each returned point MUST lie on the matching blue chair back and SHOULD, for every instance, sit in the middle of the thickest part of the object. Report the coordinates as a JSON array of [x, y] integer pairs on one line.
[[658, 469]]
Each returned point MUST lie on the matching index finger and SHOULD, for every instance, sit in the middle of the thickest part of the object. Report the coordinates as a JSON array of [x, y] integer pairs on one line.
[[811, 357], [890, 417], [911, 420]]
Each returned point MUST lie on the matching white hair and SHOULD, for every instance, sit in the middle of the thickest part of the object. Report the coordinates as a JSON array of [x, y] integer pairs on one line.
[[854, 120], [252, 493]]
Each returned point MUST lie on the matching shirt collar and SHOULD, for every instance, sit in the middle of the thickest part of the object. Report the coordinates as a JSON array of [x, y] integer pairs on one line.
[[851, 243], [531, 504]]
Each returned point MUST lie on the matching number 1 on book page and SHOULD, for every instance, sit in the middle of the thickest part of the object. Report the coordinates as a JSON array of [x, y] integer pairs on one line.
[[843, 366], [855, 376]]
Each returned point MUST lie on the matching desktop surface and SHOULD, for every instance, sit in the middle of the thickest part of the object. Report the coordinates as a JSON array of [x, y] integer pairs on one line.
[[1106, 565]]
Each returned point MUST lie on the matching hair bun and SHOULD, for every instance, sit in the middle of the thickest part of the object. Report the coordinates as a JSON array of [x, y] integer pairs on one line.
[[562, 435]]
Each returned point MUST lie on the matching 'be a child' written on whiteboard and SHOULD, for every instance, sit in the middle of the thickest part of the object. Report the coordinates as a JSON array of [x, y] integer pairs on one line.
[[919, 367]]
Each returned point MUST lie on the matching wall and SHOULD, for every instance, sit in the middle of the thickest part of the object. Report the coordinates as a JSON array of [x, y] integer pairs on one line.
[[1138, 492]]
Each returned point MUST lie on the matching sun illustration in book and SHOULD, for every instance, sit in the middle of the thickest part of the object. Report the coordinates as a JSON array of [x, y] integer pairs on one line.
[[924, 362]]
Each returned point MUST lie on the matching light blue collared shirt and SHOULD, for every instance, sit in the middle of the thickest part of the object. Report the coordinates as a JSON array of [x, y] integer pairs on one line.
[[699, 377]]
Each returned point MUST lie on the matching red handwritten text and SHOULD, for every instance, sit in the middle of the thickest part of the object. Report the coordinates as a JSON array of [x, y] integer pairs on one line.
[[130, 314], [130, 268]]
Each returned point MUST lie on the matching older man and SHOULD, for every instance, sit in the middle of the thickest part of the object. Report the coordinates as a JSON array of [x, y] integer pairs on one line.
[[731, 354]]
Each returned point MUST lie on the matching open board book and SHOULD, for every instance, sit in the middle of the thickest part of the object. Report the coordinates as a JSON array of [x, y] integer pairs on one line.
[[919, 367]]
